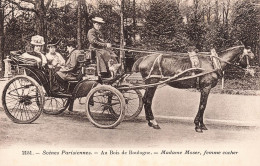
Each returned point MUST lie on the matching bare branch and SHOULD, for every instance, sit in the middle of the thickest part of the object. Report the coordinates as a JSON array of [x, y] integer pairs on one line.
[[29, 1], [48, 4], [6, 15], [20, 7]]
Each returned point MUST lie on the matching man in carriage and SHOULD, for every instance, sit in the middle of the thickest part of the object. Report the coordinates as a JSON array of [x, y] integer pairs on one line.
[[70, 71], [100, 48]]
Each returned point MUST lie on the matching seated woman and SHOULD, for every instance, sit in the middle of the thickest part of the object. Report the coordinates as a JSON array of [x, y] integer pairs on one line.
[[37, 43], [55, 60]]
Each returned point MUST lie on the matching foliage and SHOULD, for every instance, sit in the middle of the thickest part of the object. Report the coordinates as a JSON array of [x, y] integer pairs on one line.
[[61, 23], [18, 33], [245, 23], [164, 28]]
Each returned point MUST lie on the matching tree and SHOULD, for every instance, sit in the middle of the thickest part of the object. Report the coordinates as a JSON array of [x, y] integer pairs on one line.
[[196, 28], [245, 24], [39, 8], [164, 27]]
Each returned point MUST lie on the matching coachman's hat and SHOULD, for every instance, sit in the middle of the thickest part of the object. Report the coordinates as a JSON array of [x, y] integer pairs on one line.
[[98, 20], [37, 40]]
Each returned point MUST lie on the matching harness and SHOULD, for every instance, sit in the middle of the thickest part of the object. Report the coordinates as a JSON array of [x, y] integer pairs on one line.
[[195, 63], [158, 61]]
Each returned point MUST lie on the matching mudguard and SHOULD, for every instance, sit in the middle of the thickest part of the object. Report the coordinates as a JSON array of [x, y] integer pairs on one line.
[[83, 88]]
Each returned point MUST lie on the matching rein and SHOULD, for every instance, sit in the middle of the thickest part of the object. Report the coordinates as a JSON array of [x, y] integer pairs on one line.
[[165, 53]]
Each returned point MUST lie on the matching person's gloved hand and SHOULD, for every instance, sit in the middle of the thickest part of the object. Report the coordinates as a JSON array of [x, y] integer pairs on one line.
[[109, 45]]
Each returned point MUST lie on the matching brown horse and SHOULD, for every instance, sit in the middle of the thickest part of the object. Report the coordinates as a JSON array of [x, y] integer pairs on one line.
[[155, 67]]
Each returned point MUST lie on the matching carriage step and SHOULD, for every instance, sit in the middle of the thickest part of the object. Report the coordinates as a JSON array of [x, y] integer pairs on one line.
[[61, 94]]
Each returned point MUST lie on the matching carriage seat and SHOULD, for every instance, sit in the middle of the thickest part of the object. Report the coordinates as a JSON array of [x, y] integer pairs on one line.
[[17, 57]]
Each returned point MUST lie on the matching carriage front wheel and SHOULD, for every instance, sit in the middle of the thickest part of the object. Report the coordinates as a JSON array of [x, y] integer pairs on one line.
[[101, 111], [23, 99]]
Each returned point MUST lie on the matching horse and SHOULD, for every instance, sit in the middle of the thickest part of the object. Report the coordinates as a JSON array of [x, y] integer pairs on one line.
[[155, 67]]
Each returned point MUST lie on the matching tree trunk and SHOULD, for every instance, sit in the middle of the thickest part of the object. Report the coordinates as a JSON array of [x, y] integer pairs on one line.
[[216, 12], [134, 20], [122, 53], [86, 17], [1, 36], [41, 22], [79, 36]]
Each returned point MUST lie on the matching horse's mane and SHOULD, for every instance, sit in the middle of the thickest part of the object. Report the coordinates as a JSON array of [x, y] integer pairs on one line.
[[231, 48]]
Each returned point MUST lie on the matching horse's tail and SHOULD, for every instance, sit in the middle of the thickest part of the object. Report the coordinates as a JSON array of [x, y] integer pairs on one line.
[[135, 67]]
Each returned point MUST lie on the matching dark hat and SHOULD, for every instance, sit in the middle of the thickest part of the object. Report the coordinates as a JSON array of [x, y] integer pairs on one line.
[[72, 43], [53, 42]]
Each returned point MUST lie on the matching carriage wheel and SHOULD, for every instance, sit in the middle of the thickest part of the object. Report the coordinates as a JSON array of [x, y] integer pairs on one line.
[[99, 109], [133, 100], [23, 99], [55, 106], [134, 103]]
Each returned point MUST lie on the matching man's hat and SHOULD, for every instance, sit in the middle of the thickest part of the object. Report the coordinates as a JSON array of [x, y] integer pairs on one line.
[[37, 40], [98, 20], [53, 42], [71, 43]]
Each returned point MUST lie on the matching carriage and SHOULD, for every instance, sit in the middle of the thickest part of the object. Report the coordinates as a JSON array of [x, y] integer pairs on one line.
[[26, 96], [106, 104]]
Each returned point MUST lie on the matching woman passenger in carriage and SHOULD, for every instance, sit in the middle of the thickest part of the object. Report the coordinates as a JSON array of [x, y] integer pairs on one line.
[[37, 55], [100, 47], [55, 60]]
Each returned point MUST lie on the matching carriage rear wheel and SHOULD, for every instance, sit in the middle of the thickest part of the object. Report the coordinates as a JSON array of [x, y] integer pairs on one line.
[[133, 100], [55, 106], [23, 99], [99, 109]]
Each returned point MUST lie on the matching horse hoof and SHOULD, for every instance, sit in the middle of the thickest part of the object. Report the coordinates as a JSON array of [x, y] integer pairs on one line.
[[154, 126], [198, 130], [203, 127]]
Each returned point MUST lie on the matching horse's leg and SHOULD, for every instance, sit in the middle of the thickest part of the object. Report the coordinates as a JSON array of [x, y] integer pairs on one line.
[[199, 125], [147, 99]]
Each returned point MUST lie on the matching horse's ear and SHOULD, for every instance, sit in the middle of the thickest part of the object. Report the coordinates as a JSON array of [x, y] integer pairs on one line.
[[238, 42]]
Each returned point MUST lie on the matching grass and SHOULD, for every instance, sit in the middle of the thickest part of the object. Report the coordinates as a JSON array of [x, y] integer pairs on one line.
[[237, 82]]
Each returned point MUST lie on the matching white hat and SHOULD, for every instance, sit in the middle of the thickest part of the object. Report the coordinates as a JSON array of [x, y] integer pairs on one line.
[[37, 40], [98, 20]]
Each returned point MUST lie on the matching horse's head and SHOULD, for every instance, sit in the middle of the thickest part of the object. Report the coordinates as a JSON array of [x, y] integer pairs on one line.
[[245, 59], [231, 54], [239, 55]]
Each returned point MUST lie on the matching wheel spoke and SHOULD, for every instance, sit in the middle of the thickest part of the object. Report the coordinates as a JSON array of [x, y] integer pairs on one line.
[[20, 99]]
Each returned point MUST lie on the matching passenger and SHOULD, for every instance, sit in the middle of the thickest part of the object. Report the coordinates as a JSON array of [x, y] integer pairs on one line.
[[99, 47], [37, 42], [55, 59], [71, 69]]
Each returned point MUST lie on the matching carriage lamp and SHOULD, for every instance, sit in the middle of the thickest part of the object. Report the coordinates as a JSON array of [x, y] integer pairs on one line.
[[8, 72]]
